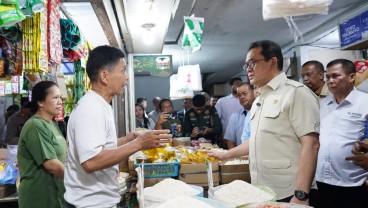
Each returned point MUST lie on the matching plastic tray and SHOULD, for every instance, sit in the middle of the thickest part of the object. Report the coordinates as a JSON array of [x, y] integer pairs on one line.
[[160, 170]]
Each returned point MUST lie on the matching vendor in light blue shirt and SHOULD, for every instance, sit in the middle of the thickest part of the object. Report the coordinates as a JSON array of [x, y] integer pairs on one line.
[[238, 129], [341, 183]]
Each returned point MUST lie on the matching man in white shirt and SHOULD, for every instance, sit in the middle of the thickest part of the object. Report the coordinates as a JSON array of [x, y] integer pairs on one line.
[[341, 183], [241, 119], [94, 151], [227, 105], [155, 114]]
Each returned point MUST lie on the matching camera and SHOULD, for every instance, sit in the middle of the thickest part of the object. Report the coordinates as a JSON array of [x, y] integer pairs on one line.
[[171, 115]]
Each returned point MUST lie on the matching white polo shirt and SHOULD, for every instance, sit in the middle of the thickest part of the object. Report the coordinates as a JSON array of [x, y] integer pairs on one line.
[[341, 126]]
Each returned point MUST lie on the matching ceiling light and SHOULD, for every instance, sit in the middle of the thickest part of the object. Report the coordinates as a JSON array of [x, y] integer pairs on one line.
[[148, 33]]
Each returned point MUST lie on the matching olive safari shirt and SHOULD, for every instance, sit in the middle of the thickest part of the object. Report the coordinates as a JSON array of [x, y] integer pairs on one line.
[[285, 111], [208, 118], [39, 141]]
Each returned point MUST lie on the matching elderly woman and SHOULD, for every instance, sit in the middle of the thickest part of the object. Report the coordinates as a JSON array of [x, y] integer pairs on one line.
[[42, 150]]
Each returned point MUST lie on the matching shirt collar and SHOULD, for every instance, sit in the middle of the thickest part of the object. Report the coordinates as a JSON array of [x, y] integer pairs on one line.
[[276, 81], [348, 100]]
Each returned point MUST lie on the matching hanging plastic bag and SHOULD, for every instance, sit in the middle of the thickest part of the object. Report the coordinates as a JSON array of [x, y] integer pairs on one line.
[[193, 31], [190, 78], [284, 8], [175, 89], [9, 2]]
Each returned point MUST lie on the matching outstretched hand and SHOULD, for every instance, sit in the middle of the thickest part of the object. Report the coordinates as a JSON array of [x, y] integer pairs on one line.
[[154, 139]]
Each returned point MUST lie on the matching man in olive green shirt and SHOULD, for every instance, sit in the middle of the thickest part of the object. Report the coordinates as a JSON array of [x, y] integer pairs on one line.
[[202, 121]]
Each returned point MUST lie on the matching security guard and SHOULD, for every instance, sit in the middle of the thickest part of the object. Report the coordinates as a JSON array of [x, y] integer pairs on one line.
[[202, 121]]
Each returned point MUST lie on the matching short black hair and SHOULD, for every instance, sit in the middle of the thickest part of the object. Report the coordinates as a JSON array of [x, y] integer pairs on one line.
[[199, 100], [232, 80], [162, 102], [251, 87], [347, 65], [140, 100], [102, 57], [39, 93], [13, 107], [269, 49], [316, 64]]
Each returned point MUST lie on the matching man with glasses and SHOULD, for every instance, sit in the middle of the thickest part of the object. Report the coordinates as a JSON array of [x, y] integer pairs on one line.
[[313, 74], [202, 121], [283, 146]]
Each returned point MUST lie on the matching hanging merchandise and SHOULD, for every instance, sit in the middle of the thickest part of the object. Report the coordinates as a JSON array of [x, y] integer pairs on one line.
[[35, 57], [189, 78], [193, 30], [78, 81], [70, 34], [2, 88], [12, 34], [10, 15], [285, 8], [36, 5], [9, 2], [54, 37], [176, 90]]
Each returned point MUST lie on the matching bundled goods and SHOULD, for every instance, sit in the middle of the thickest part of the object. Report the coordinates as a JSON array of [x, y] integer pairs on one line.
[[240, 192], [191, 155], [54, 37], [10, 15], [34, 51]]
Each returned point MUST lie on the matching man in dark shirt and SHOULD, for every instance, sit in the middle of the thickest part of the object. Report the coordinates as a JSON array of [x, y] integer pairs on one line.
[[202, 121], [15, 124]]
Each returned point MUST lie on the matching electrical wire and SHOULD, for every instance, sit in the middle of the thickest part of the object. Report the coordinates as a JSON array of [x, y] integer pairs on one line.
[[309, 44]]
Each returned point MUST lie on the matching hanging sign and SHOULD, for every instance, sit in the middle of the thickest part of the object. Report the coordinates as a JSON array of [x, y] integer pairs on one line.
[[354, 30], [152, 65]]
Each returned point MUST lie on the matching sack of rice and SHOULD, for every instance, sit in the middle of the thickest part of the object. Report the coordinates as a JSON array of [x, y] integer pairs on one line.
[[240, 192], [169, 189], [189, 202]]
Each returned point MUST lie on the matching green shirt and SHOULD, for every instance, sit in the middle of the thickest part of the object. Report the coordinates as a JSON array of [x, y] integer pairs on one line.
[[39, 141], [208, 118]]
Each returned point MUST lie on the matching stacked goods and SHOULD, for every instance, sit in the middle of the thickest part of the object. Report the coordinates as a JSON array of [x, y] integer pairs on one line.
[[234, 169], [239, 193]]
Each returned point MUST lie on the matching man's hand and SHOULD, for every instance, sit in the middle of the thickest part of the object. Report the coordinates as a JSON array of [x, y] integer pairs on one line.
[[132, 135], [217, 154], [153, 139], [297, 201], [359, 158], [195, 132]]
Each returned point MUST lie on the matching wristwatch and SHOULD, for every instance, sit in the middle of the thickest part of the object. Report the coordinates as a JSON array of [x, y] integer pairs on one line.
[[301, 195]]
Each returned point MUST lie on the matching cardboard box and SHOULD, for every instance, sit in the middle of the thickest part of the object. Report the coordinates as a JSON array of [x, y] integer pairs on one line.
[[6, 190], [153, 181], [230, 173], [3, 153], [196, 174], [131, 168]]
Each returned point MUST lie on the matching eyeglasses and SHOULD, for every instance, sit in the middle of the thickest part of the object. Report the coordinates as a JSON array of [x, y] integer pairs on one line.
[[250, 64]]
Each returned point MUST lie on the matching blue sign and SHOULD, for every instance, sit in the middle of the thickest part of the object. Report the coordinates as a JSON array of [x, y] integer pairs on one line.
[[354, 30]]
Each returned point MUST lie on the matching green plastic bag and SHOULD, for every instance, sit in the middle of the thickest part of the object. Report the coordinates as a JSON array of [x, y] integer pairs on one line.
[[9, 2], [10, 14], [193, 32]]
